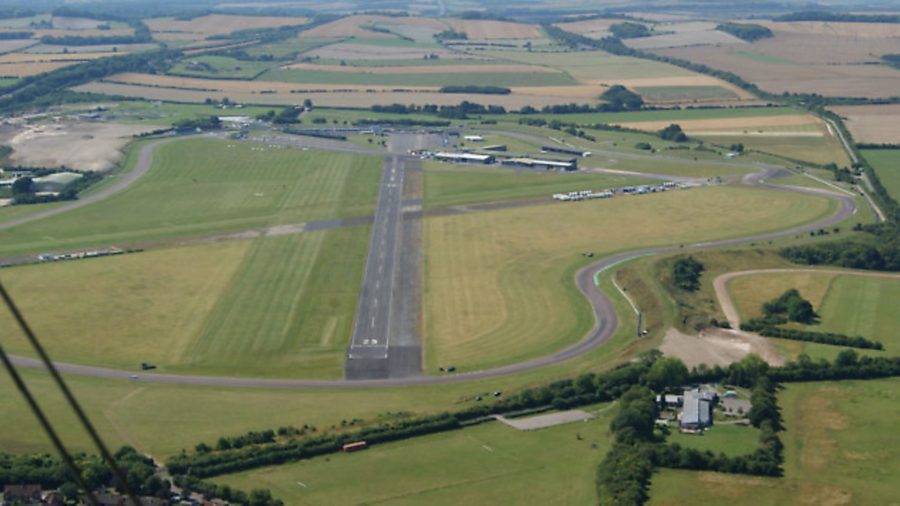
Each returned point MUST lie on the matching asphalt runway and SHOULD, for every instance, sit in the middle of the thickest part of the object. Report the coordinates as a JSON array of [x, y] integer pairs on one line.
[[367, 355]]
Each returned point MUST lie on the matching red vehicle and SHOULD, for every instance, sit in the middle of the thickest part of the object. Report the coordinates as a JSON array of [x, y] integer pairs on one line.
[[352, 447]]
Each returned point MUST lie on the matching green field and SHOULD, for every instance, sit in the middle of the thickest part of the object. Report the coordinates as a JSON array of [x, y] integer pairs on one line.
[[419, 79], [219, 67], [448, 185], [290, 306], [278, 306], [499, 284], [487, 464], [685, 93], [673, 115], [165, 113], [202, 186], [765, 58], [841, 447], [820, 150], [593, 65], [886, 163], [846, 304], [730, 439]]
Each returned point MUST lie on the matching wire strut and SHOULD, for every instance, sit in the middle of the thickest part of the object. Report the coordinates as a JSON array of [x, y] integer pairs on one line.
[[70, 398]]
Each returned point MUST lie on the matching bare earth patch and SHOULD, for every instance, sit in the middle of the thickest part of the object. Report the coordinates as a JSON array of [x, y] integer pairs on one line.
[[717, 347], [80, 146]]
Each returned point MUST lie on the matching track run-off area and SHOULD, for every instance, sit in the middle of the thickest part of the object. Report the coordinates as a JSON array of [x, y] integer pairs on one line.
[[605, 318]]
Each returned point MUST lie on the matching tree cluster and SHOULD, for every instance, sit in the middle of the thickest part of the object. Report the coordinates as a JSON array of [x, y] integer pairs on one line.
[[673, 133], [623, 477], [461, 111], [750, 32], [789, 306], [630, 30], [256, 497], [622, 99], [879, 255], [686, 272], [484, 90]]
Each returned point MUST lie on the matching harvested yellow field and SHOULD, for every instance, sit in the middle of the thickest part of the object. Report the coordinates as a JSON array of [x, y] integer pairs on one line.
[[694, 80], [483, 29], [737, 125], [54, 57], [855, 30], [233, 85], [52, 32], [214, 24], [593, 28], [426, 69], [355, 26], [872, 123], [31, 69]]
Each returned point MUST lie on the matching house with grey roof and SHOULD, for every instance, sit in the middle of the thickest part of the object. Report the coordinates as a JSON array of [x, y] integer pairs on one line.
[[697, 411]]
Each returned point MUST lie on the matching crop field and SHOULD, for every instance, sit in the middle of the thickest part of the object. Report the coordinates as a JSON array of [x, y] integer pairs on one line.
[[829, 64], [840, 448], [215, 66], [484, 29], [886, 163], [685, 93], [592, 28], [499, 284], [32, 68], [357, 26], [413, 77], [595, 67], [797, 145], [202, 186], [685, 39], [170, 29], [185, 89], [846, 304], [490, 463], [449, 185], [873, 123]]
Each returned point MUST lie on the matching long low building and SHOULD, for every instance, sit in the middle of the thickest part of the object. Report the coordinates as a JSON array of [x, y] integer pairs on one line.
[[541, 164], [464, 158]]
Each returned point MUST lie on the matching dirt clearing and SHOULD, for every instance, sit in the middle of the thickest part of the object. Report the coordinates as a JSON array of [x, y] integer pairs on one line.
[[77, 145], [548, 420], [718, 347]]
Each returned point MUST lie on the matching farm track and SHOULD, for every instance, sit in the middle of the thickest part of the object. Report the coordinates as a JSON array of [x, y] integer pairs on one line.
[[606, 320]]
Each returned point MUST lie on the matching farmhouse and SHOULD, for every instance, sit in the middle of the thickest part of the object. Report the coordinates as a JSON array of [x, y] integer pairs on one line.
[[541, 164], [697, 411], [464, 158]]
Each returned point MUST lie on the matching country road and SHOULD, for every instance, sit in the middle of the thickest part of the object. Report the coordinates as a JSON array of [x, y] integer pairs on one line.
[[605, 324], [729, 308]]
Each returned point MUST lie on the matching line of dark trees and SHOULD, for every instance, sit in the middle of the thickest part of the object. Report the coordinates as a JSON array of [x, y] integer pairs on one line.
[[767, 329], [15, 35], [257, 497], [839, 17], [460, 111], [746, 31], [484, 90], [882, 253], [623, 477]]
